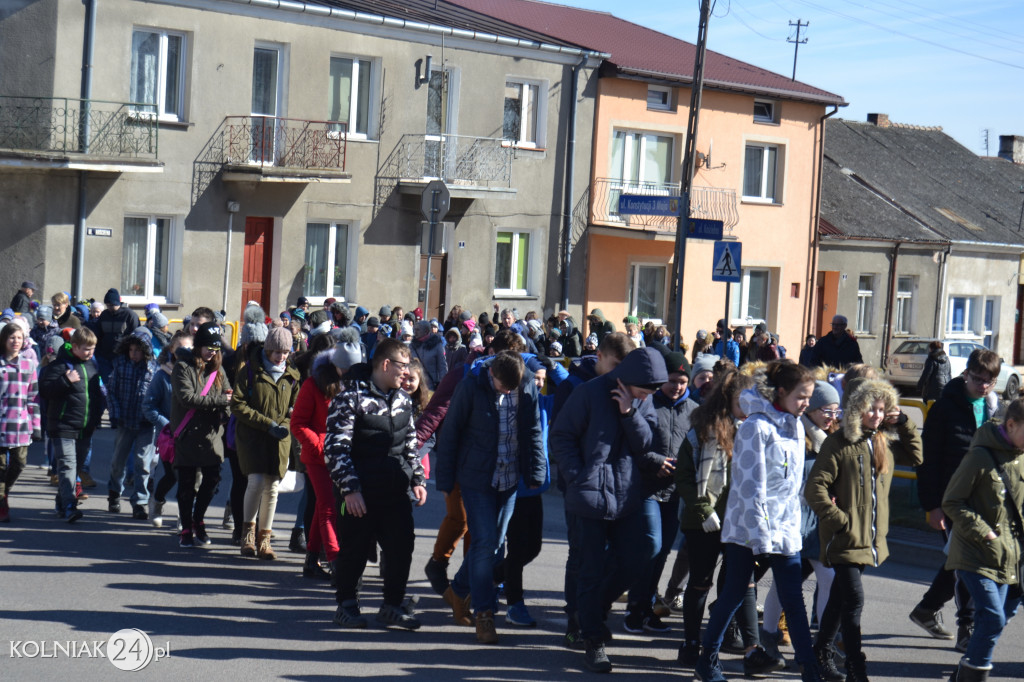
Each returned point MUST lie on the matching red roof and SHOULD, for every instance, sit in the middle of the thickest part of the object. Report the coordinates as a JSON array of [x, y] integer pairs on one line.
[[643, 51]]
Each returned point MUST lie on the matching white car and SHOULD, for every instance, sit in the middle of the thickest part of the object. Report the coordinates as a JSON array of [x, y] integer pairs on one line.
[[907, 363]]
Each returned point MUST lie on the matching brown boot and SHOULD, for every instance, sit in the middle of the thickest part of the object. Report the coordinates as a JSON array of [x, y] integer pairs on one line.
[[265, 551], [460, 607], [485, 632], [249, 539]]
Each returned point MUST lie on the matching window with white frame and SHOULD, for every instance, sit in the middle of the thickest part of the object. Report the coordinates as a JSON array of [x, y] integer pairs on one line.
[[659, 98], [348, 95], [963, 311], [157, 84], [904, 304], [512, 263], [523, 121], [749, 300], [990, 322], [865, 303], [326, 263], [647, 291], [760, 172], [764, 111], [146, 258], [974, 316]]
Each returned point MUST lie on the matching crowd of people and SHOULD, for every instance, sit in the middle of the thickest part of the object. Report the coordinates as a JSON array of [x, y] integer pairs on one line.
[[760, 461]]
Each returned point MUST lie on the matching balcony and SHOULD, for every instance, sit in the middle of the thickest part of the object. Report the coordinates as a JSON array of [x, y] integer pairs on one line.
[[471, 167], [705, 202], [275, 149], [76, 134]]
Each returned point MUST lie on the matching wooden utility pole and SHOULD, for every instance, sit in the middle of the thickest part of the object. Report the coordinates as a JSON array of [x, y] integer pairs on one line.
[[796, 41]]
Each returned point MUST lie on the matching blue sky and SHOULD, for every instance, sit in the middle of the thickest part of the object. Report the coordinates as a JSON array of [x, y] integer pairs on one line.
[[959, 65]]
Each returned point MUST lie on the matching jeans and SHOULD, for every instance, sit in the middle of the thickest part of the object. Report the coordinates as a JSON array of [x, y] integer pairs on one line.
[[845, 603], [236, 497], [523, 543], [388, 521], [487, 514], [786, 572], [625, 542], [71, 454], [823, 577], [140, 442], [572, 565], [663, 527], [9, 471], [992, 610]]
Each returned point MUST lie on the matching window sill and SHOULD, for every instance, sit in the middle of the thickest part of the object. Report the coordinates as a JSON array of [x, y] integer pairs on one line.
[[753, 201], [180, 125], [519, 147], [865, 335], [767, 123], [514, 297], [666, 110]]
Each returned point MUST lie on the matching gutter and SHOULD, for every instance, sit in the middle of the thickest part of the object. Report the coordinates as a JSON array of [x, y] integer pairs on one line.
[[889, 305], [812, 266], [832, 100], [78, 248], [941, 292]]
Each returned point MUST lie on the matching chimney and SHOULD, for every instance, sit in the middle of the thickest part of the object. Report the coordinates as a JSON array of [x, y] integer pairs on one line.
[[1011, 148], [880, 120]]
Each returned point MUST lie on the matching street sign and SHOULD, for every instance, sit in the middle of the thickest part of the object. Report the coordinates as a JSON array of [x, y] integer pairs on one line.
[[645, 204], [444, 198], [727, 262], [699, 228]]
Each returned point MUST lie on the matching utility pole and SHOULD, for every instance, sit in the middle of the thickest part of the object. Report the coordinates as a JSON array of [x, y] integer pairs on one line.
[[682, 225], [796, 41], [984, 139]]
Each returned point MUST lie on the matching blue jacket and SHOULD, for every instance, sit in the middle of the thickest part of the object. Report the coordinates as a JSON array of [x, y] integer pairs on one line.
[[431, 353], [732, 350], [156, 406], [467, 450], [598, 450], [129, 383]]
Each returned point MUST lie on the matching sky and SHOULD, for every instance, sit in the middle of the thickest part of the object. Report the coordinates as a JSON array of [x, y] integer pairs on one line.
[[958, 65]]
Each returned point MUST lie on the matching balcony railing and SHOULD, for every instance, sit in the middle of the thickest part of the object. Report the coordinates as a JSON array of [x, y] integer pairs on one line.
[[284, 142], [456, 159], [705, 202], [77, 126]]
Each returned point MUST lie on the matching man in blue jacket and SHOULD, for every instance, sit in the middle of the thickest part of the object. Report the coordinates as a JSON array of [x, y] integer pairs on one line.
[[600, 441], [491, 438]]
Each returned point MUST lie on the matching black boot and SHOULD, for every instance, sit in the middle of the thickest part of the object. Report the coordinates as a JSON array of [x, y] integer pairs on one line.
[[312, 567], [113, 502], [856, 668], [825, 658], [298, 542], [968, 673]]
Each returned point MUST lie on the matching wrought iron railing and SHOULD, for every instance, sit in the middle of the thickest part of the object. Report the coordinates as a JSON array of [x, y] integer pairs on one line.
[[77, 126], [456, 159], [284, 142], [705, 202]]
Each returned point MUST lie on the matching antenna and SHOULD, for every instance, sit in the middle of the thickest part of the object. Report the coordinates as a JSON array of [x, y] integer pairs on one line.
[[796, 41], [984, 138]]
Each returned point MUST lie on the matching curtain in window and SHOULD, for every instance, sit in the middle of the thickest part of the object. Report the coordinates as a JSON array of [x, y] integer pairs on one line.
[[264, 82], [145, 61], [528, 126], [512, 123], [133, 257], [339, 91], [340, 259], [503, 261], [753, 163], [657, 161], [650, 292], [162, 248], [172, 75], [757, 295], [317, 242], [363, 98]]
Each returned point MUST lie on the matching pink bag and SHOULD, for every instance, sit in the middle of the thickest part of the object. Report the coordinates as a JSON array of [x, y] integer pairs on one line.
[[165, 439]]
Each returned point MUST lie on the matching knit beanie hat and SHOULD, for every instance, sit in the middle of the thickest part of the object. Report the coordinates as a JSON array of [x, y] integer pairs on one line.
[[278, 339], [208, 335], [407, 328], [702, 334], [675, 363], [44, 312], [705, 362], [555, 348], [348, 350], [824, 394], [112, 297], [465, 316], [159, 320], [475, 341], [592, 340]]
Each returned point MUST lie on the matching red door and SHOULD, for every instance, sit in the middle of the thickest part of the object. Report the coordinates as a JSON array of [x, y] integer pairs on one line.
[[256, 261]]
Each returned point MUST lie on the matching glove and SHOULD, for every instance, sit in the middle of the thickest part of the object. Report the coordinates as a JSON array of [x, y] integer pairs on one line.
[[278, 432], [712, 524], [37, 435]]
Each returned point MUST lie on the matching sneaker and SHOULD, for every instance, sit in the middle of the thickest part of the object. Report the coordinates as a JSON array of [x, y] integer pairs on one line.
[[732, 642], [229, 520], [139, 512], [518, 614], [676, 603], [437, 574], [199, 533], [74, 515], [689, 653], [963, 637], [760, 662], [485, 631], [156, 511], [113, 503], [79, 493], [654, 624], [186, 539], [930, 622], [397, 616], [661, 608], [573, 638], [708, 669], [595, 657], [348, 616], [633, 622], [826, 659]]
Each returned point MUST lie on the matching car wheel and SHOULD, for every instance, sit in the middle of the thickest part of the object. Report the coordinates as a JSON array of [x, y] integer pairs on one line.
[[1012, 387]]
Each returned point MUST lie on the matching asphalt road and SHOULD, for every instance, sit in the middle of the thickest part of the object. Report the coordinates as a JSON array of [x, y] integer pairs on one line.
[[220, 616]]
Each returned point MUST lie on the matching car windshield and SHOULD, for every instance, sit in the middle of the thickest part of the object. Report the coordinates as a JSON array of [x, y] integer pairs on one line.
[[913, 348]]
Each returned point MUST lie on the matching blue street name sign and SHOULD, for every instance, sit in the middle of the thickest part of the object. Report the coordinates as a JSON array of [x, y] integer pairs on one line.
[[727, 262], [700, 228], [644, 204]]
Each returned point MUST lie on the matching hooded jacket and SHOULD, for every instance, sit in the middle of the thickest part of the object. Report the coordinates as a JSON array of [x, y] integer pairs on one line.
[[19, 404], [853, 529], [112, 327], [935, 376], [974, 501], [673, 425], [201, 442], [603, 327], [259, 403], [815, 438], [309, 418], [454, 355], [763, 509], [430, 352], [74, 409], [599, 451]]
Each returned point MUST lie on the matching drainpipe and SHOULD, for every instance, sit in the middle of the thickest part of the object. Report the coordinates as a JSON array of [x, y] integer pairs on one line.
[[78, 251], [889, 304], [233, 208], [570, 175], [812, 279], [940, 293]]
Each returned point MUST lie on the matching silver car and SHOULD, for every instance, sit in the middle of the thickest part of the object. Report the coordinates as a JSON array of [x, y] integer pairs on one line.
[[907, 363]]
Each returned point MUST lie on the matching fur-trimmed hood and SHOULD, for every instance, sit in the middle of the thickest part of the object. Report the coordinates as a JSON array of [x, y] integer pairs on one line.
[[760, 400], [859, 397]]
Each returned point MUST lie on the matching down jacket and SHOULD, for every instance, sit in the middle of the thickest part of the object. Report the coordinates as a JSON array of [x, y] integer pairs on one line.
[[430, 352], [599, 451], [974, 501], [853, 529], [258, 403], [201, 442], [309, 419], [763, 509], [74, 409]]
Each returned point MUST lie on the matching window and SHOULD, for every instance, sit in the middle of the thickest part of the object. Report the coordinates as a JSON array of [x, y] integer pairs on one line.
[[749, 299], [659, 98], [647, 291], [512, 263], [962, 314], [904, 304], [145, 258], [990, 319], [158, 73], [764, 111], [348, 95], [521, 123], [326, 265], [759, 173], [865, 303]]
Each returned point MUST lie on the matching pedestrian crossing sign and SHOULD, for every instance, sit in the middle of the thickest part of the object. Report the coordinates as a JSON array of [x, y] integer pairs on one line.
[[727, 262]]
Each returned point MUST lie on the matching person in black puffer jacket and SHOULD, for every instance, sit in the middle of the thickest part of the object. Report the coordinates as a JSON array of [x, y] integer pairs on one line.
[[428, 347], [936, 373]]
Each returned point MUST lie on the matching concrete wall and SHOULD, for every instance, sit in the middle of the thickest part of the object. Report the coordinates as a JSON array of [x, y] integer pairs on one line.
[[985, 274]]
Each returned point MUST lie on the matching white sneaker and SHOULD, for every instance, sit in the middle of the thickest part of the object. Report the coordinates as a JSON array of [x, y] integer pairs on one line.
[[156, 510]]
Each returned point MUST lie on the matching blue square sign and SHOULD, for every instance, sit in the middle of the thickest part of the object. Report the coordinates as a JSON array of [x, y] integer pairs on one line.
[[727, 263]]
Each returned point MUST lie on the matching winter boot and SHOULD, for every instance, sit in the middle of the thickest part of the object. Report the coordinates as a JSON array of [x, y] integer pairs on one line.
[[965, 672], [827, 664], [297, 543], [249, 539], [113, 502], [856, 668], [264, 550], [312, 567], [485, 632]]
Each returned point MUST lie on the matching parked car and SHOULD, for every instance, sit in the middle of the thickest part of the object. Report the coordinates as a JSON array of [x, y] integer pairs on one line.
[[907, 363]]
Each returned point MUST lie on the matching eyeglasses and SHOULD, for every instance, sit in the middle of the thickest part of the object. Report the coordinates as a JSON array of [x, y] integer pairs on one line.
[[402, 366], [832, 414], [979, 380]]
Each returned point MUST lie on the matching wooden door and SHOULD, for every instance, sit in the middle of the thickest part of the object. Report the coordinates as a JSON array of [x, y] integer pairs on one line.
[[256, 261], [438, 268]]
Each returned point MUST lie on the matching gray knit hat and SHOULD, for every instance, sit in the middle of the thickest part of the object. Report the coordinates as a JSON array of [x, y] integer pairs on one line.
[[824, 394], [278, 339], [348, 350], [705, 362]]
